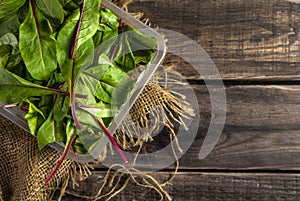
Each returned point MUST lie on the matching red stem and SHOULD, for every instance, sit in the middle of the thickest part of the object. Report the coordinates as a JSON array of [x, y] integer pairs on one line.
[[9, 106], [35, 18], [73, 107], [62, 158], [113, 54], [124, 40], [57, 91], [73, 55], [107, 133]]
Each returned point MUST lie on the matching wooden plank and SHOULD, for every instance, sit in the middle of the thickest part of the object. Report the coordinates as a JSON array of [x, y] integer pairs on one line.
[[209, 186], [246, 39], [261, 130]]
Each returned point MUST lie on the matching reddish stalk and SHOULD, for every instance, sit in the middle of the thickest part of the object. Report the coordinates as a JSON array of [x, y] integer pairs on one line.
[[124, 40], [113, 54], [107, 133], [40, 88], [8, 106], [121, 23], [62, 158], [73, 55]]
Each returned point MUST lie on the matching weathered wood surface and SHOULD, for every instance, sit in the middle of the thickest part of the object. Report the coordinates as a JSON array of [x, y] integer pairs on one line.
[[246, 39], [261, 130], [210, 186], [258, 155]]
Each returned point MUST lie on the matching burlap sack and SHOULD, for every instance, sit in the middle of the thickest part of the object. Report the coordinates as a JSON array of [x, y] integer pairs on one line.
[[24, 167]]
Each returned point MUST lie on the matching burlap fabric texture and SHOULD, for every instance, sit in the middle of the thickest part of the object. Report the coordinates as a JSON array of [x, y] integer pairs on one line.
[[23, 167]]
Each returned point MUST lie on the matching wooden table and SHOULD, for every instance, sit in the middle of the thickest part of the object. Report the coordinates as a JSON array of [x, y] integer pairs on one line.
[[255, 46]]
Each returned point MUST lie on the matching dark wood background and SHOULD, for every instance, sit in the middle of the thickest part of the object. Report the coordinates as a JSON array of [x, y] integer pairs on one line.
[[255, 46]]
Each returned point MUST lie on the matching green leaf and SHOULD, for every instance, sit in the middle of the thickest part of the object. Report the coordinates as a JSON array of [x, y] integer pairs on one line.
[[69, 6], [83, 58], [37, 46], [90, 21], [14, 88], [60, 135], [13, 61], [122, 90], [138, 40], [52, 9], [135, 47], [9, 51], [86, 119], [19, 69], [61, 107], [46, 133], [100, 112], [70, 128], [64, 2], [113, 75], [46, 102], [107, 29], [64, 34], [9, 24], [125, 58], [88, 28], [65, 38], [8, 6], [84, 89], [10, 39], [108, 21], [22, 12], [86, 142], [104, 42], [32, 117], [95, 87], [5, 51], [107, 82]]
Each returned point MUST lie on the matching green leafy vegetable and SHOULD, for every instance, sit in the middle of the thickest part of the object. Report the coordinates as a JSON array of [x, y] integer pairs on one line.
[[9, 51], [52, 9], [4, 55], [33, 116], [10, 39], [68, 64], [7, 7], [37, 45], [47, 132], [14, 88], [9, 24]]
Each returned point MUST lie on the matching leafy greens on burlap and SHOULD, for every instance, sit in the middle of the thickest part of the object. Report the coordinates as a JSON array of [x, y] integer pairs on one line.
[[51, 66]]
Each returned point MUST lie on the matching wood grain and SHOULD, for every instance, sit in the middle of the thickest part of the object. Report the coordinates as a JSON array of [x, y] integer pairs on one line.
[[209, 186], [261, 130], [246, 39]]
